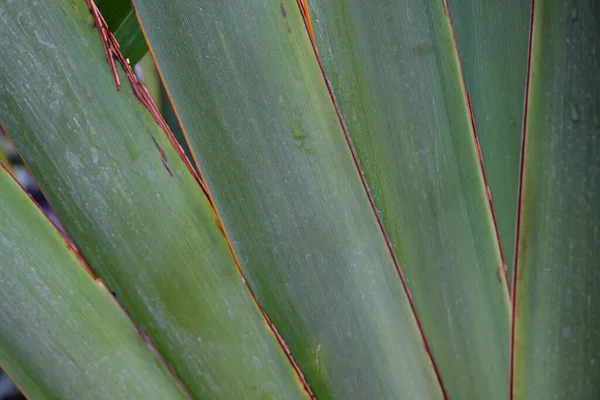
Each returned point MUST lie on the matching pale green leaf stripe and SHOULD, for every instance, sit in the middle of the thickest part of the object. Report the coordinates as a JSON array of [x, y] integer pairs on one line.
[[492, 39], [557, 329], [251, 98], [62, 335], [396, 78], [130, 204]]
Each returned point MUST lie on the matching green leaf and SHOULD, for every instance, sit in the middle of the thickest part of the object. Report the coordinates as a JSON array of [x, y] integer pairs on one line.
[[62, 335], [131, 205], [253, 103], [121, 20], [556, 331], [492, 40], [395, 75]]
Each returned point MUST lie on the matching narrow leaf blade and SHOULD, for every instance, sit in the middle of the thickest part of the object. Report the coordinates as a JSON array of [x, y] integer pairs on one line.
[[492, 41], [395, 74], [556, 343], [62, 335]]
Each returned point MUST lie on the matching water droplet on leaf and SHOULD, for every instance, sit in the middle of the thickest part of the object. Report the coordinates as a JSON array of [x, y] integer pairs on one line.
[[573, 110], [573, 14]]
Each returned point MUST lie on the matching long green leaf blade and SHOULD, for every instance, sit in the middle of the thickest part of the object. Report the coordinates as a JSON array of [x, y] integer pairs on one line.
[[492, 40], [62, 335], [556, 341], [131, 205], [254, 105], [396, 78]]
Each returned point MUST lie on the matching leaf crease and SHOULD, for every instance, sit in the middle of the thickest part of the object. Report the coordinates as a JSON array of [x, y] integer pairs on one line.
[[519, 209]]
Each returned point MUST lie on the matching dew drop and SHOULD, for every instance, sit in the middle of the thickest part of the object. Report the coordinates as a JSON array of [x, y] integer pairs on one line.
[[573, 14], [573, 111]]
